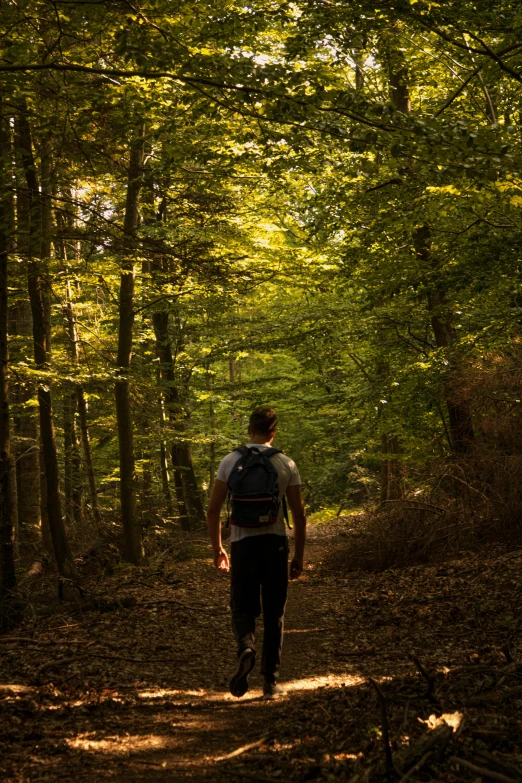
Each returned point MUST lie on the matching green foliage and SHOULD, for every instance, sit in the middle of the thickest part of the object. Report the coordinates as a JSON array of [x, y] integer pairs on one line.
[[284, 192]]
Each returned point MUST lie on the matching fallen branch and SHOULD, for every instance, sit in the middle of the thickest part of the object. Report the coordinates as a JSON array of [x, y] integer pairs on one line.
[[418, 766], [243, 749], [190, 608], [103, 656], [390, 766], [433, 742], [505, 766], [430, 679], [483, 771], [39, 643]]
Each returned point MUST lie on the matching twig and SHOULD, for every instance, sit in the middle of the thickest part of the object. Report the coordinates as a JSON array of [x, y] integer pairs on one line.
[[39, 643], [191, 608], [486, 773], [243, 749], [417, 766], [103, 656], [504, 765], [430, 679], [390, 766]]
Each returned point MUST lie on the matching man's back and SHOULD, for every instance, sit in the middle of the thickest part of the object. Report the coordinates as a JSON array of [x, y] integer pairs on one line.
[[288, 476]]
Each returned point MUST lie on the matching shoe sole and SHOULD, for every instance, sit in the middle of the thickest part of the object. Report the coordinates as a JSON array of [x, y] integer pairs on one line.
[[274, 696], [239, 682]]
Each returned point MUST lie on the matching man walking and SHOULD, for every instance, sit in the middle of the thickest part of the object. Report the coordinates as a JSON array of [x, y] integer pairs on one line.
[[258, 477]]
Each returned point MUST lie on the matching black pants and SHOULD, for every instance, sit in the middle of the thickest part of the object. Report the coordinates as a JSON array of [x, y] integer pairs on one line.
[[260, 565]]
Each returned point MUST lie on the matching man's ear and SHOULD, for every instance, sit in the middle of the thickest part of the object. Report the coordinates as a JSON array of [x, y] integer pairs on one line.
[[271, 435]]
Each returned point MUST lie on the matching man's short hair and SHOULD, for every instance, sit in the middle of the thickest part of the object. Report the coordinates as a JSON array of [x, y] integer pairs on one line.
[[263, 420]]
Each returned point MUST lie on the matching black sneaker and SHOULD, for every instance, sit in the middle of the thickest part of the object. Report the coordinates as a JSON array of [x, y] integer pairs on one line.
[[245, 664], [272, 691]]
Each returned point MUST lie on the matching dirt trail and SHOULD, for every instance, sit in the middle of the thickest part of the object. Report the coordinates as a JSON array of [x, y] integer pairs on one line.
[[141, 693]]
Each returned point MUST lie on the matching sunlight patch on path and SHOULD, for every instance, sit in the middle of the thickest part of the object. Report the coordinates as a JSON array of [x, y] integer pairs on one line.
[[125, 744], [305, 684], [326, 681]]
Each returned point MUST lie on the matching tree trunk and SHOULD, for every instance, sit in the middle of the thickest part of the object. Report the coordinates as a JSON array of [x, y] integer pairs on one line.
[[164, 469], [160, 321], [190, 504], [459, 412], [81, 404], [132, 545], [72, 474], [192, 496], [391, 479], [27, 441], [87, 455], [26, 422], [7, 566], [212, 416], [38, 242]]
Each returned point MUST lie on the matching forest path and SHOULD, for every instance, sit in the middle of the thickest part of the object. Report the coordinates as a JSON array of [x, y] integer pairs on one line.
[[77, 704]]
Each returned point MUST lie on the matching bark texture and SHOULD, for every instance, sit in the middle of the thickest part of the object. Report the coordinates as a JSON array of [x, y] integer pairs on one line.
[[7, 566], [190, 504], [132, 544], [459, 412], [38, 245]]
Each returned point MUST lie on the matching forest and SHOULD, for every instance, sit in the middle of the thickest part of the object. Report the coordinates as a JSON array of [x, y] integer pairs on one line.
[[207, 207]]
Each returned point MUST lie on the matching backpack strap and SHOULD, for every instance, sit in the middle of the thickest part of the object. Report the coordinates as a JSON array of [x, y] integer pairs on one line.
[[241, 450], [271, 452]]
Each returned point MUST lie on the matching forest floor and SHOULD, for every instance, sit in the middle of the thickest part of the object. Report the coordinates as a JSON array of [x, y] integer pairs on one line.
[[134, 685]]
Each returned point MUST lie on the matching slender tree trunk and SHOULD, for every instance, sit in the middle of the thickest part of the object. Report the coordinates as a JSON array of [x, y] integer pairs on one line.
[[81, 403], [391, 478], [190, 482], [160, 322], [164, 469], [190, 504], [72, 461], [459, 412], [41, 332], [87, 455], [212, 416], [13, 493], [7, 566], [132, 545], [26, 422], [27, 440], [72, 468]]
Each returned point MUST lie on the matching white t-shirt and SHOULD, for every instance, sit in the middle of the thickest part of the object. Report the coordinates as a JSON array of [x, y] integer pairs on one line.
[[288, 477]]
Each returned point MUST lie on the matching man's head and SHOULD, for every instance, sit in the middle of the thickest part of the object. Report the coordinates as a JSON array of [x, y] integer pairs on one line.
[[263, 421]]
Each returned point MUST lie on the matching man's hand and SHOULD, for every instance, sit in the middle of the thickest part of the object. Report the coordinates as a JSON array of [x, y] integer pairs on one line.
[[221, 560], [296, 568]]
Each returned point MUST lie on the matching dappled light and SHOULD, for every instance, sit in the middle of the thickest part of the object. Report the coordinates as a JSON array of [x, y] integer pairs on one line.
[[125, 744], [348, 634], [260, 391]]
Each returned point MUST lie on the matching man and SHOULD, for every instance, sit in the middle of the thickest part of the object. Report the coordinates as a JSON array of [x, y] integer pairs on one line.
[[259, 558]]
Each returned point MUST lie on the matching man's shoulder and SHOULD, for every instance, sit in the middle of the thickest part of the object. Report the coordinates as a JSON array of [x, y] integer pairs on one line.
[[285, 458]]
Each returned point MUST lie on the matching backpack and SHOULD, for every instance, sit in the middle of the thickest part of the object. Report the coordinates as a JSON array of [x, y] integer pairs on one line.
[[254, 489]]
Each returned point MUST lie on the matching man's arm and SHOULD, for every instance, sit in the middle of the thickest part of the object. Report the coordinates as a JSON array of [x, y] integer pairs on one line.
[[295, 501], [215, 504]]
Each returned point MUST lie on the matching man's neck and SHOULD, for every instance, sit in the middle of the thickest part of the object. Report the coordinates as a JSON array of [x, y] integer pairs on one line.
[[260, 440]]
